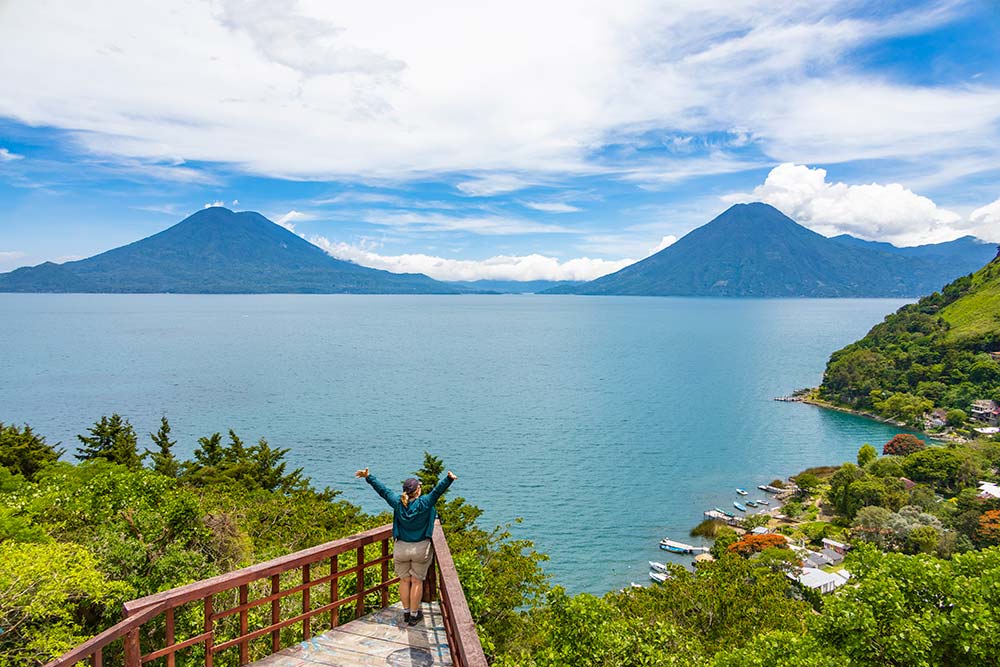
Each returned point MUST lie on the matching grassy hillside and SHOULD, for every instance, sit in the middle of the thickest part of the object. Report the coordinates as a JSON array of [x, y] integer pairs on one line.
[[977, 313], [931, 354]]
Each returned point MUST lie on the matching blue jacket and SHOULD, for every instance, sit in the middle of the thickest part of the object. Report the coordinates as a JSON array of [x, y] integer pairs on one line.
[[414, 522]]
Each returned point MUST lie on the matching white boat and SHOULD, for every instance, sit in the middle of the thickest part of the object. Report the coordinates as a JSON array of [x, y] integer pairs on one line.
[[763, 502], [679, 547], [658, 577], [742, 492], [658, 567]]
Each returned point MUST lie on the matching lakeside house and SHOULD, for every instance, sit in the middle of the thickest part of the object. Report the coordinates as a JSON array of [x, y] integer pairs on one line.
[[839, 547], [989, 490], [820, 580], [985, 411]]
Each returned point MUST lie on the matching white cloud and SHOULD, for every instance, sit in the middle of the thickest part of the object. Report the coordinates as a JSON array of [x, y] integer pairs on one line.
[[493, 184], [213, 204], [485, 225], [289, 219], [871, 211], [985, 222], [335, 90], [9, 255], [7, 156], [664, 243], [551, 206], [501, 267], [236, 202]]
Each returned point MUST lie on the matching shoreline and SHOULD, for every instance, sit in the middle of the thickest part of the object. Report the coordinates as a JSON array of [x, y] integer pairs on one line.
[[820, 403]]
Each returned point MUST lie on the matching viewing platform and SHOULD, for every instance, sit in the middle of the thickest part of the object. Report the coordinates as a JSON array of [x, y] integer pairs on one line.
[[326, 605]]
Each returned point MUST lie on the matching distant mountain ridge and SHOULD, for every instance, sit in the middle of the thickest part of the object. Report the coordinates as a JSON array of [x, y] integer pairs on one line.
[[754, 250], [218, 251]]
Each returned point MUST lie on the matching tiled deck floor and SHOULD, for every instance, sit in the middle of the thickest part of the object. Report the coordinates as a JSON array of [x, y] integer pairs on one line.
[[381, 638]]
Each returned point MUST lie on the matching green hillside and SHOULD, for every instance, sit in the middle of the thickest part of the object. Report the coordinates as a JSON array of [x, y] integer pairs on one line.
[[931, 354]]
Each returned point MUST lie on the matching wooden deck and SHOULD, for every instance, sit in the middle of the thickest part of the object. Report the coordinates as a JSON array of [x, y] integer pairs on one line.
[[381, 638]]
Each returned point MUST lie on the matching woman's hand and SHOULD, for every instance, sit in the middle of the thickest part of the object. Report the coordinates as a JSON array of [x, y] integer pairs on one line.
[[361, 473], [452, 476]]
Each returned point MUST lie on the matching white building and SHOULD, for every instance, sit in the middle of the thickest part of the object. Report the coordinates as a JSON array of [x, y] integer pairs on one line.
[[824, 582], [989, 490]]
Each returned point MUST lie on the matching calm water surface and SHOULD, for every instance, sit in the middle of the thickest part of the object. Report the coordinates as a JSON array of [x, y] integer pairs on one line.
[[606, 423]]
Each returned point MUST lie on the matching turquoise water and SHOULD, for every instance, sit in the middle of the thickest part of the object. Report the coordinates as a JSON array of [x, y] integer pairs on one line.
[[606, 423]]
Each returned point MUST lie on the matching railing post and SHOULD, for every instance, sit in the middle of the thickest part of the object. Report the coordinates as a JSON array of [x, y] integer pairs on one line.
[[133, 654], [385, 573], [334, 591], [307, 621], [359, 609], [208, 629], [244, 614], [275, 613], [171, 658], [430, 581]]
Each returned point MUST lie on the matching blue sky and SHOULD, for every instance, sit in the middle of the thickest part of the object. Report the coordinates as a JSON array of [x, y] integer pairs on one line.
[[523, 140]]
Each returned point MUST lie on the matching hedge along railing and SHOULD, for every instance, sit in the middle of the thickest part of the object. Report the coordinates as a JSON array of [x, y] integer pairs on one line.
[[229, 627]]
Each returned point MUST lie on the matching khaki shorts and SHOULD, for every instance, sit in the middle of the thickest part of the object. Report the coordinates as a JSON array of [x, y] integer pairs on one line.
[[412, 559]]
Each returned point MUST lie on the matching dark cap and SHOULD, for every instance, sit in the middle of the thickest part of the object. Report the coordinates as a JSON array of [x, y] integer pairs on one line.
[[410, 485]]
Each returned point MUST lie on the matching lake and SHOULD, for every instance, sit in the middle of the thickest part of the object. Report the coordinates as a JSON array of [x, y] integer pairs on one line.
[[607, 423]]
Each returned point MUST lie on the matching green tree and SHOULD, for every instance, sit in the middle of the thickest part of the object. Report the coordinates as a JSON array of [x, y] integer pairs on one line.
[[807, 482], [164, 461], [956, 417], [866, 455], [935, 465], [53, 598], [722, 542], [113, 439], [23, 452]]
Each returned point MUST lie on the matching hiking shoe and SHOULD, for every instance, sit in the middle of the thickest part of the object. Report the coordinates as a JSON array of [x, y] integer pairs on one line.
[[406, 617], [415, 618]]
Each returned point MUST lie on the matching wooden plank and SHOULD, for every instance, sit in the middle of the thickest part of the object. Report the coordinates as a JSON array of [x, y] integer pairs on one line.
[[467, 646], [273, 628], [247, 575], [275, 613], [169, 651], [170, 636], [385, 572], [244, 622], [307, 621], [359, 608], [207, 609], [334, 590]]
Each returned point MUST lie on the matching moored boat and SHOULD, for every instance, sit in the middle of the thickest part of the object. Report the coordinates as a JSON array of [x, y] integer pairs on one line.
[[751, 503], [658, 577], [763, 502], [724, 512], [742, 492], [657, 567], [739, 506]]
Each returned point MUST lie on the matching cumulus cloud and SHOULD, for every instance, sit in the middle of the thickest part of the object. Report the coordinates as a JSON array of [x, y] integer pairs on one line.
[[985, 222], [501, 267], [289, 219], [871, 211], [7, 156], [213, 204]]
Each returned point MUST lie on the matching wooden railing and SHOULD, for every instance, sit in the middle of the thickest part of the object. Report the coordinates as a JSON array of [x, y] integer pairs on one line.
[[214, 614]]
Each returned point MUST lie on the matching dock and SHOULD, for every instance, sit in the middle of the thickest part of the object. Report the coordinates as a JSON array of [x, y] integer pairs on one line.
[[719, 516]]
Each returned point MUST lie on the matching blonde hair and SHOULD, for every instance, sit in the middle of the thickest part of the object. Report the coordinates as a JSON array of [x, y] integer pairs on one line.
[[405, 497]]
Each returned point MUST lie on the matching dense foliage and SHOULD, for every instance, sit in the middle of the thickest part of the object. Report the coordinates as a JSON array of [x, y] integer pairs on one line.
[[76, 540], [929, 354]]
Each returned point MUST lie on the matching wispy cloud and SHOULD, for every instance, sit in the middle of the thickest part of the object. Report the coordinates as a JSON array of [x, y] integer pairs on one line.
[[551, 206], [487, 225], [288, 220], [7, 156]]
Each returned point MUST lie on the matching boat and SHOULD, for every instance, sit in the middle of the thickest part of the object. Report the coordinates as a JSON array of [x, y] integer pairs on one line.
[[751, 503], [763, 502], [724, 512], [742, 492], [658, 577], [739, 506], [657, 567], [679, 547], [769, 488], [762, 487]]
